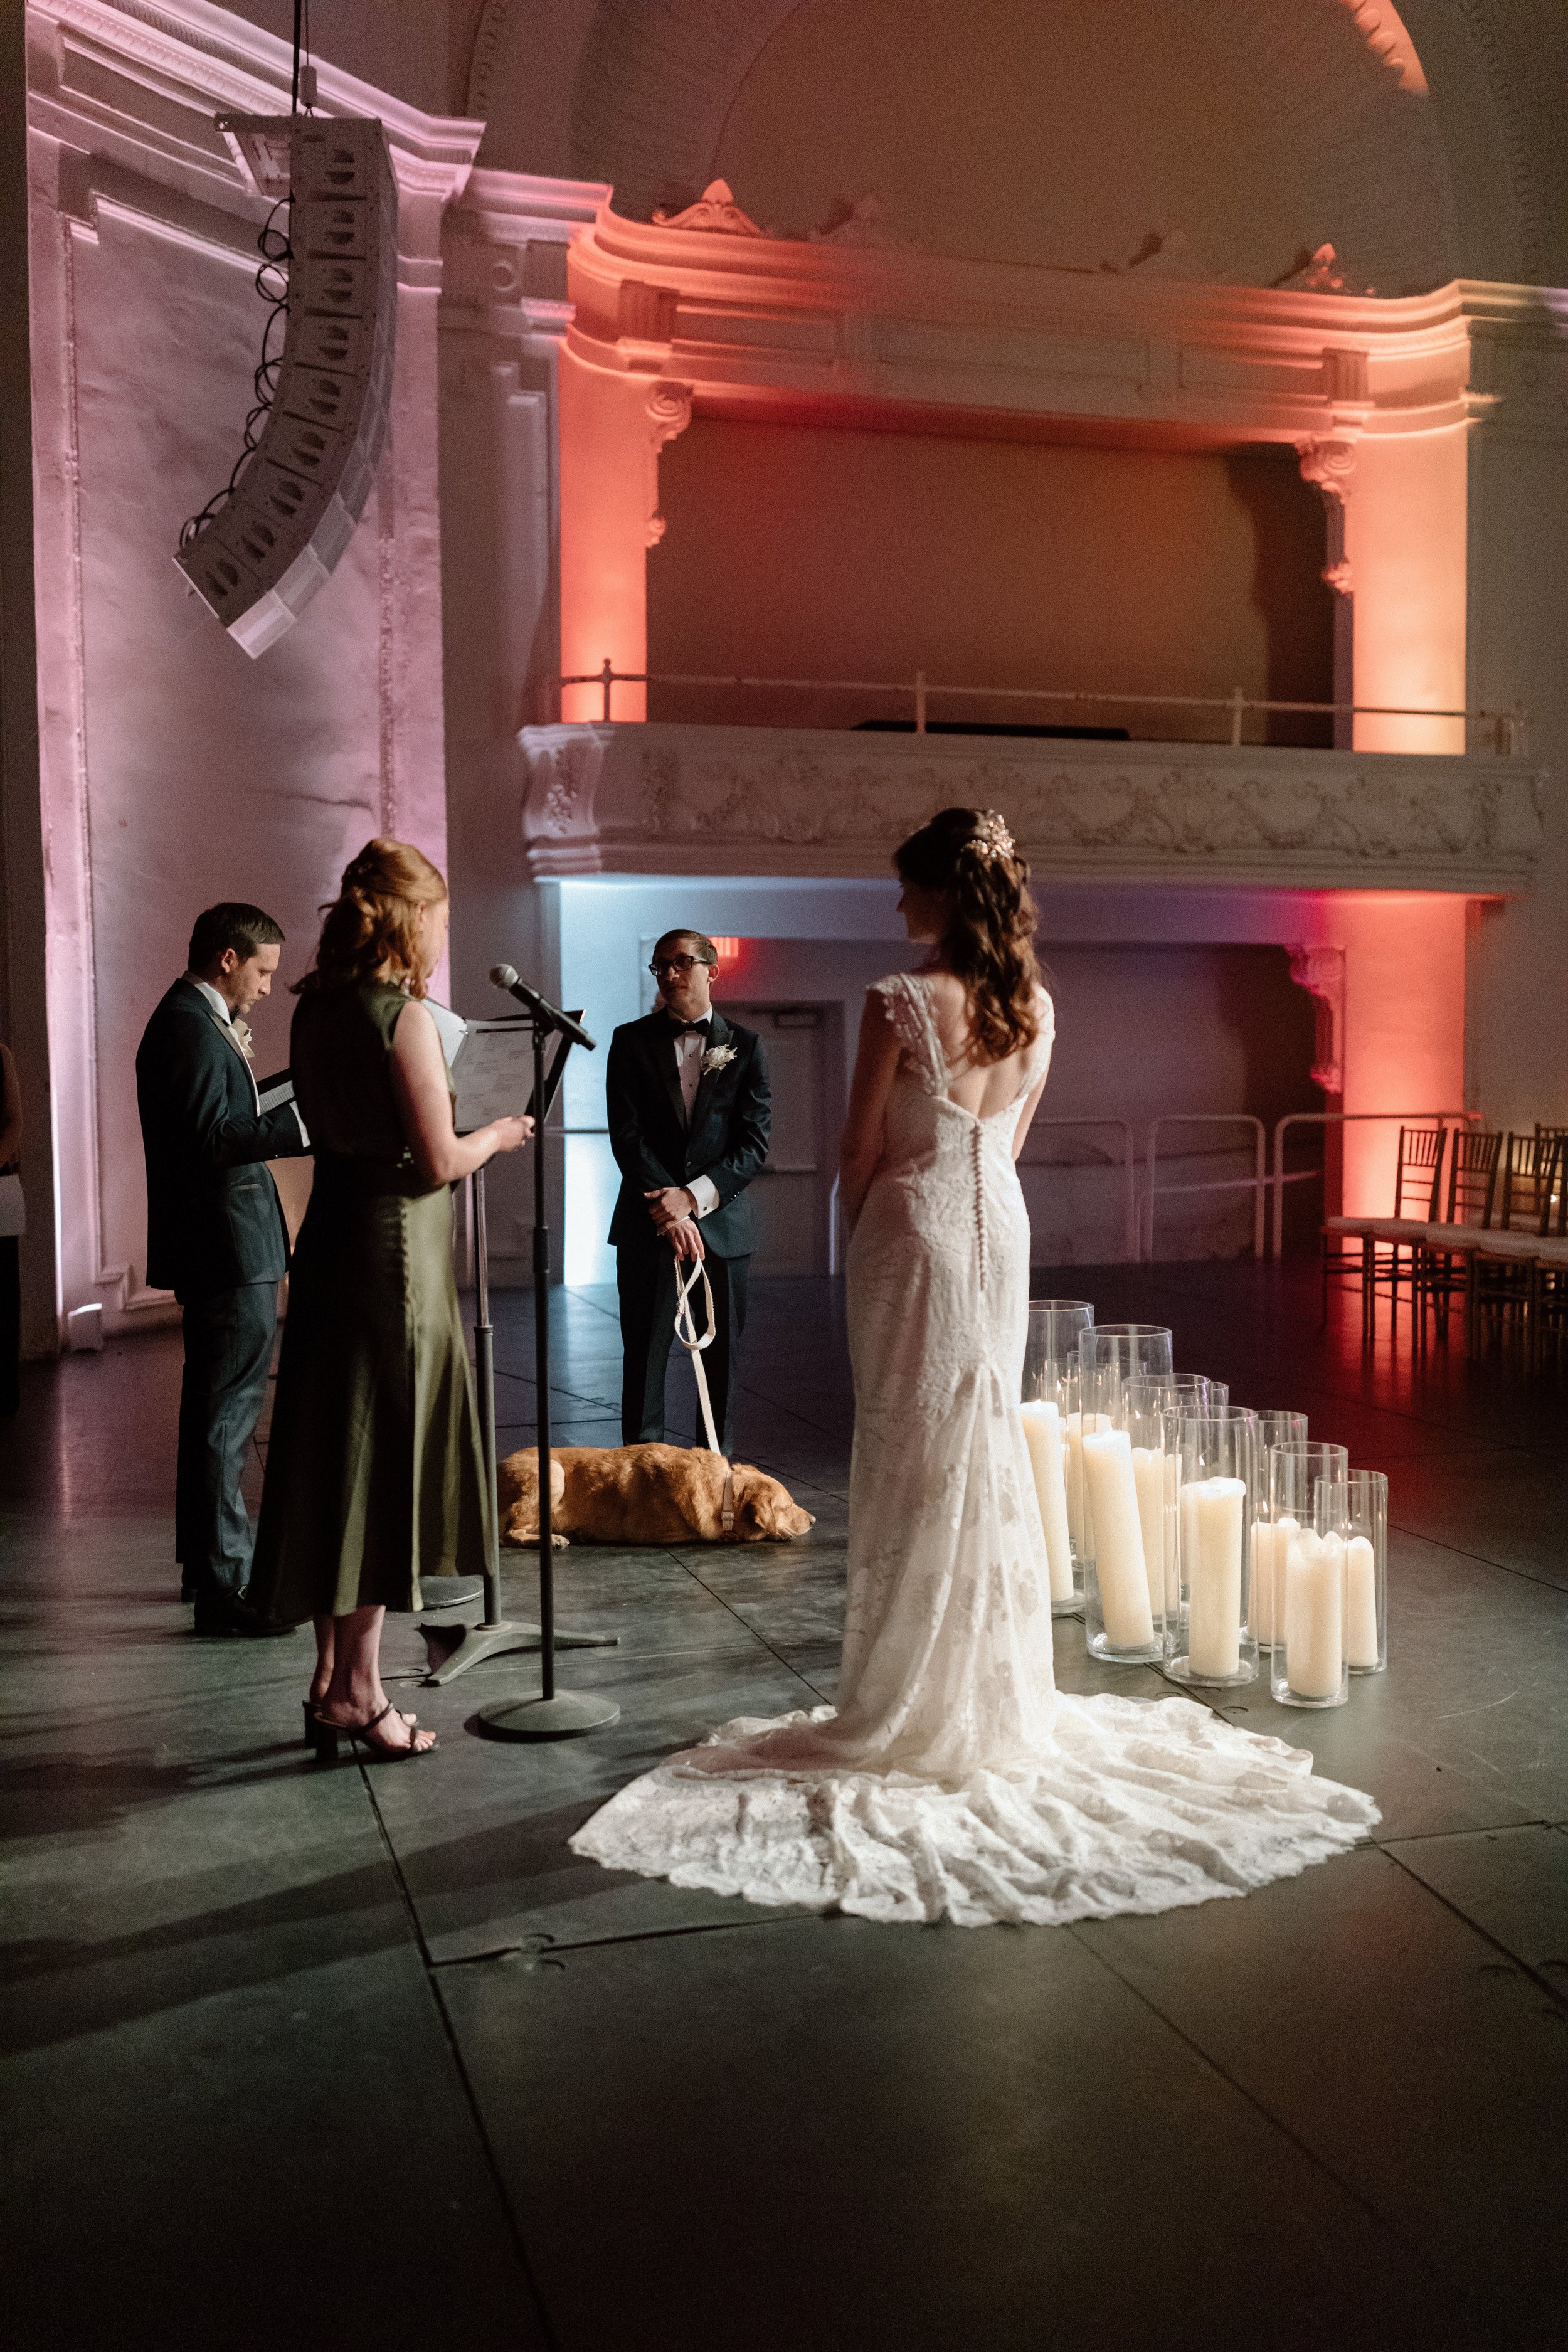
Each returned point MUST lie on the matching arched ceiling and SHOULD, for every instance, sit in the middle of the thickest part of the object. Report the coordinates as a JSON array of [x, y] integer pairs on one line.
[[1063, 131], [1050, 131]]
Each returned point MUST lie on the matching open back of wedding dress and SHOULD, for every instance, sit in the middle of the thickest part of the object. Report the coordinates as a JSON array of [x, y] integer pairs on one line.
[[953, 1776]]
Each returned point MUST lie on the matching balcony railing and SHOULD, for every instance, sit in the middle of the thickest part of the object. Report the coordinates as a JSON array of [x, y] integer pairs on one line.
[[1508, 730]]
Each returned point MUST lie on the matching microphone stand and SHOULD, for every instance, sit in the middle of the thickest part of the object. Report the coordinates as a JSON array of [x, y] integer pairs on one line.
[[554, 1713]]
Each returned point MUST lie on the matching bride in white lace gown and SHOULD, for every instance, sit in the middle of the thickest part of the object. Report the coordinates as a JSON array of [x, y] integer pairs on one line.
[[953, 1776]]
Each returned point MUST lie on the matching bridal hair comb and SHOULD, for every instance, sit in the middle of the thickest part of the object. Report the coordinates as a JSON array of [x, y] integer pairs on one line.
[[991, 838]]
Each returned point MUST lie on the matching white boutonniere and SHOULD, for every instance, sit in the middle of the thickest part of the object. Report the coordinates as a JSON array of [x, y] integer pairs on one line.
[[718, 1057]]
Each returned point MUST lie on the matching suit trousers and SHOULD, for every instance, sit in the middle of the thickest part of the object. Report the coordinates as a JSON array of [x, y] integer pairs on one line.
[[645, 1279], [229, 1352]]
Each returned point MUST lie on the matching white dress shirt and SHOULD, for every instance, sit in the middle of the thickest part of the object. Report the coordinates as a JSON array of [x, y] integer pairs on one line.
[[689, 1048], [221, 1006]]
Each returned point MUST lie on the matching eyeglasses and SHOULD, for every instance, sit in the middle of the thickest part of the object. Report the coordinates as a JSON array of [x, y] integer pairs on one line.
[[681, 964]]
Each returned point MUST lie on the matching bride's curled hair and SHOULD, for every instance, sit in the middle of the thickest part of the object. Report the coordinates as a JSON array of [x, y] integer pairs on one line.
[[968, 856], [370, 926]]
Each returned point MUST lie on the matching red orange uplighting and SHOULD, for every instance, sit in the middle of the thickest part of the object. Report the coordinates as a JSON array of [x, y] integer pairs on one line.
[[728, 950]]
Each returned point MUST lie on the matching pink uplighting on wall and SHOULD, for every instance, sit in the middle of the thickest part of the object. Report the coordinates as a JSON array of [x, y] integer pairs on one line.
[[1405, 1023]]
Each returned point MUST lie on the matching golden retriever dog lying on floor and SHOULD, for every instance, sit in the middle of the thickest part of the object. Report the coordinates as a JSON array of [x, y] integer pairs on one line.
[[644, 1494]]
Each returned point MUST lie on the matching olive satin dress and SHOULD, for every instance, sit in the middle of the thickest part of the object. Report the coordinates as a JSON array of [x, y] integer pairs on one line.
[[374, 1474]]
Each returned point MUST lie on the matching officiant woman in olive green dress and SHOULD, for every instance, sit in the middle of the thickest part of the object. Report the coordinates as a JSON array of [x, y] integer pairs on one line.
[[373, 1467]]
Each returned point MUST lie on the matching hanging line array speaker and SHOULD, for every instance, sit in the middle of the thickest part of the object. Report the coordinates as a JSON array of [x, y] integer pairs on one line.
[[279, 534]]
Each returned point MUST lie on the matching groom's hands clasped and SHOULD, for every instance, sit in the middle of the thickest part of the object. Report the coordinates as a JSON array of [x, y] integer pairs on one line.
[[674, 1213]]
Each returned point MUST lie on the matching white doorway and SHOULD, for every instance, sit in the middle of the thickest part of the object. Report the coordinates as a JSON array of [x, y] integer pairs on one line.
[[792, 1195]]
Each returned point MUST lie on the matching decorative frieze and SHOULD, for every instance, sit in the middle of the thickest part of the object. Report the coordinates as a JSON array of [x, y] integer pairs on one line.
[[693, 800]]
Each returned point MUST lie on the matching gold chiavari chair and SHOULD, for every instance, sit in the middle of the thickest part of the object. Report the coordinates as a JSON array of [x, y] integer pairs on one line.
[[1560, 1199], [1504, 1274], [1552, 1271], [1442, 1259], [1391, 1249]]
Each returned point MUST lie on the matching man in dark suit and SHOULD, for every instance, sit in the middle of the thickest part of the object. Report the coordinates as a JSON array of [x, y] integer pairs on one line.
[[217, 1238], [690, 1117]]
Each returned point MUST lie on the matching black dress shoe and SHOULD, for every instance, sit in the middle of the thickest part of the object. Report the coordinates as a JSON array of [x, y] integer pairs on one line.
[[219, 1620]]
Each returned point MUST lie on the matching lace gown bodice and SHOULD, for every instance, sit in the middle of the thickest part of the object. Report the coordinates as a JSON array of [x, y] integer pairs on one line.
[[952, 1775]]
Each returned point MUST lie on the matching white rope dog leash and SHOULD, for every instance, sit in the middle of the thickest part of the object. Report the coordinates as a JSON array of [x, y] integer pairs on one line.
[[686, 1332]]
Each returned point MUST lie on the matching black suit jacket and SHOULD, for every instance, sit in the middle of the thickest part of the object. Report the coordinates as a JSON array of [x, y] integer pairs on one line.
[[726, 1139], [213, 1218]]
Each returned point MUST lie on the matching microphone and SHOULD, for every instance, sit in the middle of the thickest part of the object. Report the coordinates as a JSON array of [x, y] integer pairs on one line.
[[548, 1015]]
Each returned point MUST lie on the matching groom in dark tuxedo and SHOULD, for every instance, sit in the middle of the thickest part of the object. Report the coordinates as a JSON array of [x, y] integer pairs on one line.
[[217, 1238], [690, 1117]]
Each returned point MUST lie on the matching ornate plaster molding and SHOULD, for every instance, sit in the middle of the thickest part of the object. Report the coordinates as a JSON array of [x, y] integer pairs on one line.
[[1321, 972], [1330, 465], [715, 210], [776, 325], [1521, 171], [669, 413], [152, 148], [211, 54], [484, 61], [693, 799], [1322, 273]]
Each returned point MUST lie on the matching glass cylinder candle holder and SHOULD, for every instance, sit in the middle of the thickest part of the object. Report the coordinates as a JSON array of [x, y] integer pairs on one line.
[[1144, 1349], [1281, 1429], [1117, 1620], [1196, 1393], [1149, 1418], [1366, 1574], [1112, 1355], [1051, 1387], [1118, 1616], [1212, 1645], [1274, 1429], [1309, 1495]]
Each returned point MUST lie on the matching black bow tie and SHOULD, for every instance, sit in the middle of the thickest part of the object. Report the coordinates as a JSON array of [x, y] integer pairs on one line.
[[689, 1028]]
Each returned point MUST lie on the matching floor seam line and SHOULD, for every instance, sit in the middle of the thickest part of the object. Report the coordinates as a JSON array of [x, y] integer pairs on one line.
[[1492, 1829], [546, 1948], [1559, 1998], [1397, 1527], [767, 1645], [1412, 2247], [487, 2149]]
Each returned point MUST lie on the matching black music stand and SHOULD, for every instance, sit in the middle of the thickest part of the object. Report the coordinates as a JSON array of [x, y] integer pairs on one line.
[[495, 1635]]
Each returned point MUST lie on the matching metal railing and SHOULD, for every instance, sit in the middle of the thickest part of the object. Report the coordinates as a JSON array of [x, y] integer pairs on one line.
[[1138, 1208], [1257, 1182], [1510, 727], [1127, 1164], [1340, 1118]]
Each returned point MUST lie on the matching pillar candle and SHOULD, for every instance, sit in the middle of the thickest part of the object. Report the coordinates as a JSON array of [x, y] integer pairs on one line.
[[1270, 1549], [1314, 1614], [1110, 1508], [1149, 1477], [1360, 1603], [1076, 1423], [1214, 1597], [1043, 1431], [1187, 1527], [1075, 1482]]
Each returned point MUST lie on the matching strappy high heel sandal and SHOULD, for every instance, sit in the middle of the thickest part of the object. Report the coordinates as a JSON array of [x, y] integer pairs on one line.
[[309, 1706], [326, 1736]]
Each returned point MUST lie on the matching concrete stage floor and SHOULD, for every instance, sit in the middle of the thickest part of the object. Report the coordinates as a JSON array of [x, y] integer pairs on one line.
[[364, 2057]]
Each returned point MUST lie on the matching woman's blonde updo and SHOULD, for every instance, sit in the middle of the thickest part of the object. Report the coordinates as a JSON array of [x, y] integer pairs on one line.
[[969, 856], [369, 930]]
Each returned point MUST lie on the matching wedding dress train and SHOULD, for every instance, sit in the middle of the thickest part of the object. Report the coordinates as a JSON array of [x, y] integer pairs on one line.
[[953, 1776]]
